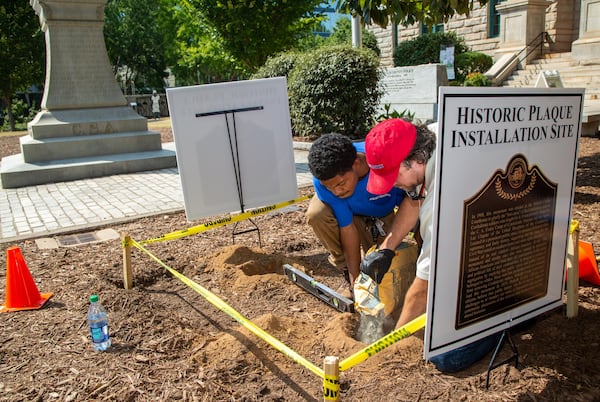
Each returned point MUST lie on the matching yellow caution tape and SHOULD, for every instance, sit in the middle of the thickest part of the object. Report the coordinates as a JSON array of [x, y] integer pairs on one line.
[[230, 311], [331, 388], [574, 226], [388, 340], [223, 221]]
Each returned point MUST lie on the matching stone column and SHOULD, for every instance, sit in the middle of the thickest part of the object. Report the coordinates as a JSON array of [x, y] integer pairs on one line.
[[521, 21], [80, 87], [587, 46], [78, 72]]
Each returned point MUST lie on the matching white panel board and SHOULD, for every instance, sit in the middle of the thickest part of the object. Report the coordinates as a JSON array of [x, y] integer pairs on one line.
[[524, 214], [234, 145]]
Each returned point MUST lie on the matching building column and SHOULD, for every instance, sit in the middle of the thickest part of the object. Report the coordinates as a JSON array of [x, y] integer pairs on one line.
[[588, 44], [521, 22]]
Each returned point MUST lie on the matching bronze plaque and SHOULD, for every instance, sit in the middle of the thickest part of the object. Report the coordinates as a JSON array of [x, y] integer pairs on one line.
[[506, 242]]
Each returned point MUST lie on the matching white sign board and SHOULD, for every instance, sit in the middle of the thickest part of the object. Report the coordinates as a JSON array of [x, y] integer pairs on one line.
[[505, 171], [549, 79], [234, 145]]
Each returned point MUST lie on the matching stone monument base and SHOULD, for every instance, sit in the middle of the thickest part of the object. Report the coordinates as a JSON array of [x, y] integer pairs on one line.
[[16, 173], [65, 145]]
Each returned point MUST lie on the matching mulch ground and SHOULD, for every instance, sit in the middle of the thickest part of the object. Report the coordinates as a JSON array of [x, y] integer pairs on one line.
[[170, 343]]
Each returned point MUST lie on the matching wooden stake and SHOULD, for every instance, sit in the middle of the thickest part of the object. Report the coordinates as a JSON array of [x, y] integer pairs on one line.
[[127, 270], [573, 271], [331, 379]]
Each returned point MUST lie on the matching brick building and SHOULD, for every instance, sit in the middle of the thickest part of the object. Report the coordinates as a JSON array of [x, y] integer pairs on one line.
[[504, 26]]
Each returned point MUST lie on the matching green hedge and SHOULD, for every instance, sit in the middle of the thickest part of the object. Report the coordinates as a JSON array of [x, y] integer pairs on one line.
[[471, 62], [334, 89], [425, 49], [330, 89], [277, 66]]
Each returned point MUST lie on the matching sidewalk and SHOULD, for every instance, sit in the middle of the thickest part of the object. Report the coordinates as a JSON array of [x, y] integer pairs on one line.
[[56, 208]]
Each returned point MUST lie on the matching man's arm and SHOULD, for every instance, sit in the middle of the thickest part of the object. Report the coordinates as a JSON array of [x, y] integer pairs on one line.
[[415, 302], [377, 263], [406, 218], [351, 246]]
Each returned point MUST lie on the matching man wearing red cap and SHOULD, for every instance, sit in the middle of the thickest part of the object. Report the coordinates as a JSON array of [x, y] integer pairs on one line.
[[402, 155], [342, 213]]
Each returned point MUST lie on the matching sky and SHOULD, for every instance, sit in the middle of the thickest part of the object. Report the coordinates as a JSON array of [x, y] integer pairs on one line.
[[333, 16]]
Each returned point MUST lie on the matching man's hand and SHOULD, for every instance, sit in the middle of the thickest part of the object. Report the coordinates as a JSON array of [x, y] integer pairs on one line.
[[377, 263]]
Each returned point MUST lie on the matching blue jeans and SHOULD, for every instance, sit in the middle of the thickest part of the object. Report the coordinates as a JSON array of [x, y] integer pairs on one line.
[[460, 358]]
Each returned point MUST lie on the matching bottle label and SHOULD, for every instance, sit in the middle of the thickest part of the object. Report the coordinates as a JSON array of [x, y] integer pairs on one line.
[[99, 334]]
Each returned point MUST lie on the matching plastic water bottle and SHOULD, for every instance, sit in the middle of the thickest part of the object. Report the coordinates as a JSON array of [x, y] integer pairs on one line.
[[98, 323]]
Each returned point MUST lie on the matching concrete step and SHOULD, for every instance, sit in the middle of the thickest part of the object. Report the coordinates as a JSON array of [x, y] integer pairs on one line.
[[16, 173], [590, 85], [88, 121], [47, 149], [579, 71], [571, 70], [548, 65]]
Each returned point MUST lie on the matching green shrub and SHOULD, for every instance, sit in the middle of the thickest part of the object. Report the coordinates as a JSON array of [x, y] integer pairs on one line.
[[477, 80], [20, 110], [22, 114], [425, 49], [389, 113], [334, 89], [471, 62], [277, 66]]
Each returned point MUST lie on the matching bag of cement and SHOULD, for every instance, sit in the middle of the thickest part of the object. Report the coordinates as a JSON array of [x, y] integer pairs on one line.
[[392, 289], [366, 296]]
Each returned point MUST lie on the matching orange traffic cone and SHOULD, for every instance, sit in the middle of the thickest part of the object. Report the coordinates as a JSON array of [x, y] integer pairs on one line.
[[588, 265], [21, 291]]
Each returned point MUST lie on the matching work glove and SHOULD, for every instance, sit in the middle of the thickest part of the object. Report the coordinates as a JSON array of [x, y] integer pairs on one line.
[[377, 263]]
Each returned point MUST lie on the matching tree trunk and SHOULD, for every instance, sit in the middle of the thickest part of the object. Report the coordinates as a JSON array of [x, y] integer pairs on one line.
[[11, 118]]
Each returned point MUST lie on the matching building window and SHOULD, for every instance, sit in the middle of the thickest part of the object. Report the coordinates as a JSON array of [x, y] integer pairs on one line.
[[494, 19], [436, 28]]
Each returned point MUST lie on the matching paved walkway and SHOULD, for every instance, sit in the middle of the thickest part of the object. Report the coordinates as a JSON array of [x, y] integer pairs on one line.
[[56, 208]]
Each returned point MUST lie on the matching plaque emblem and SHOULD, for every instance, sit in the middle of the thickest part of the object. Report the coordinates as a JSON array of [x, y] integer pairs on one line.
[[506, 242]]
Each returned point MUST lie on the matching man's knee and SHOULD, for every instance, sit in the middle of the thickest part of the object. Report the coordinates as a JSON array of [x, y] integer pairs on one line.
[[465, 356], [318, 212]]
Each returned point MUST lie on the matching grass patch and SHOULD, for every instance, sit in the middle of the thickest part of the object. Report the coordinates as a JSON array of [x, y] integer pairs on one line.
[[12, 133]]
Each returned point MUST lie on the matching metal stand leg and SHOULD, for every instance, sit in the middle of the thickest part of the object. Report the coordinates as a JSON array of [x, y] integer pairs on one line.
[[515, 356], [254, 229]]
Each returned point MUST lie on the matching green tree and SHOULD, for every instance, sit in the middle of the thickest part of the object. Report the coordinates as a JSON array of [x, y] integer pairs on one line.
[[342, 35], [21, 51], [135, 43], [406, 12], [193, 49], [253, 30]]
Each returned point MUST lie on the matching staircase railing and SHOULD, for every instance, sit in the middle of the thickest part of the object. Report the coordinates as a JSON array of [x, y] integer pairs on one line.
[[509, 62], [537, 42]]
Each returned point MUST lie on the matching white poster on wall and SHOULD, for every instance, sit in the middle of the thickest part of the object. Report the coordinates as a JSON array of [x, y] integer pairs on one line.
[[505, 171], [234, 145], [447, 59]]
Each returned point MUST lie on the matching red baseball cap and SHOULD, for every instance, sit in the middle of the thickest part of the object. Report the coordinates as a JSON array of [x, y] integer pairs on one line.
[[386, 146]]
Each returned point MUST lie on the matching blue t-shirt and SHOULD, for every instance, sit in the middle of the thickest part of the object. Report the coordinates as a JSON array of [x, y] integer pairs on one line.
[[361, 202]]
